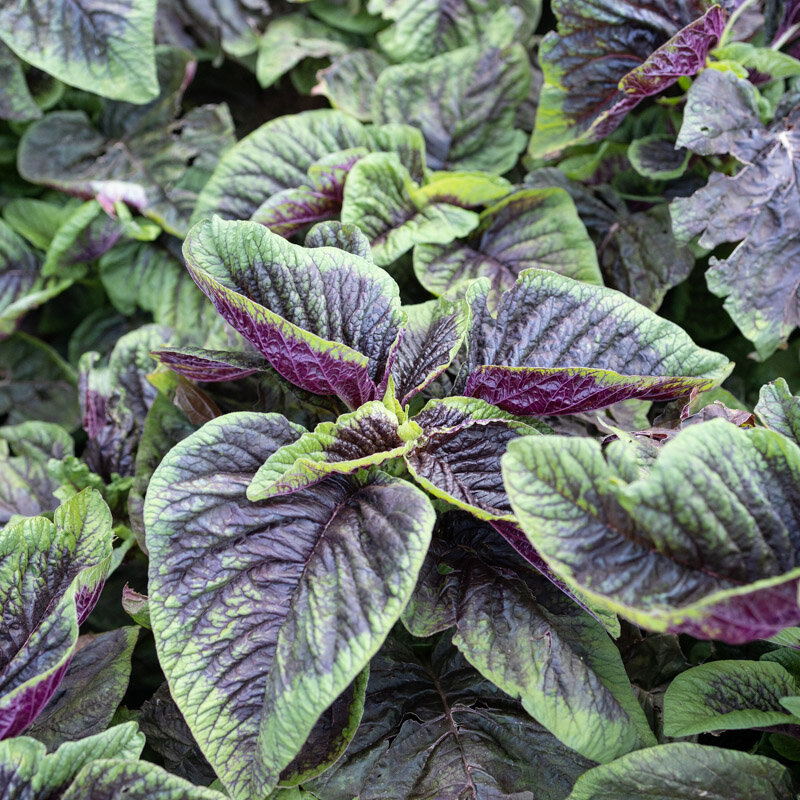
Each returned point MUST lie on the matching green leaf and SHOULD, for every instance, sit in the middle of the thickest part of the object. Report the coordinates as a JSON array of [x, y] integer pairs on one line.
[[107, 779], [87, 45], [291, 38], [38, 220], [434, 728], [349, 82], [727, 695], [383, 200], [299, 570], [464, 102], [764, 59], [36, 383], [27, 772], [684, 771], [703, 543], [92, 689], [548, 652], [26, 488], [140, 275], [532, 228], [779, 409], [364, 438]]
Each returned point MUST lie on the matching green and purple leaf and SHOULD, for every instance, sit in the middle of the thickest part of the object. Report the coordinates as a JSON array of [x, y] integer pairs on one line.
[[91, 691], [552, 655], [382, 199], [290, 211], [557, 346], [263, 613], [28, 772], [607, 57], [703, 542], [779, 409], [434, 334], [26, 488], [139, 154], [464, 102], [532, 228], [278, 155], [433, 727], [458, 457], [327, 320], [758, 207], [51, 576], [210, 366], [364, 438]]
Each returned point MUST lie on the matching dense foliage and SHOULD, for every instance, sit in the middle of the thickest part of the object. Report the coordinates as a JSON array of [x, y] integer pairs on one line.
[[396, 400]]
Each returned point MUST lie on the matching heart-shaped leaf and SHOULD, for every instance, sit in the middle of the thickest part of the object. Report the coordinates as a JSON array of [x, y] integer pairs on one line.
[[287, 599]]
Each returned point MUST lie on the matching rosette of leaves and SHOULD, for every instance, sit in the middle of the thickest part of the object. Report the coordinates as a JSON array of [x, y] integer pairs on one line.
[[52, 574], [143, 155], [333, 324], [605, 58], [757, 208], [689, 541]]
